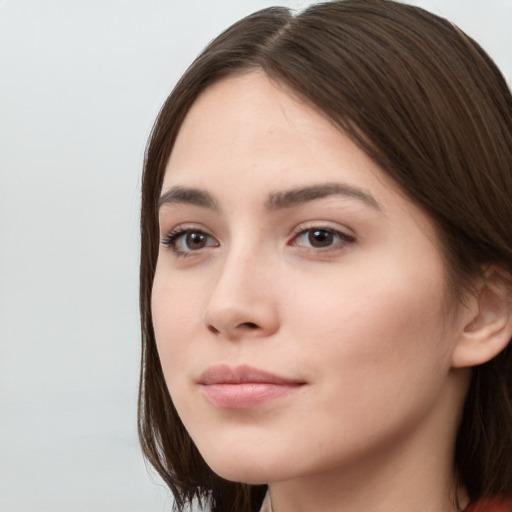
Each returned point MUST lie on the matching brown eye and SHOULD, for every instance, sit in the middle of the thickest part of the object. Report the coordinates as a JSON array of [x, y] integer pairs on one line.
[[195, 240], [186, 241], [320, 238]]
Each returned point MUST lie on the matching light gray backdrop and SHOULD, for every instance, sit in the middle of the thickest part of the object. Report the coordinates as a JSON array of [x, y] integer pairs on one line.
[[80, 85]]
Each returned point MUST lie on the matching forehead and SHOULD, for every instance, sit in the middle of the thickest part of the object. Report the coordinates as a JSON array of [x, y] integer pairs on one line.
[[248, 124]]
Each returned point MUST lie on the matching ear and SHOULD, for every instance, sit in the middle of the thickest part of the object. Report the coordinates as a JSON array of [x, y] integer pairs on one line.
[[487, 323]]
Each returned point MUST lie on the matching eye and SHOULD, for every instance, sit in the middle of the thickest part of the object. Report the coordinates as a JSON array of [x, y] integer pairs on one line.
[[184, 242], [321, 238]]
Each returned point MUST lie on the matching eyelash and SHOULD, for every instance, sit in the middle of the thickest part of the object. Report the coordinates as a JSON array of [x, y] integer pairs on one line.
[[174, 236], [172, 239]]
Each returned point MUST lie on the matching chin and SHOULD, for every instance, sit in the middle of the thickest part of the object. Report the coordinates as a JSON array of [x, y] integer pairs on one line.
[[250, 468], [245, 473]]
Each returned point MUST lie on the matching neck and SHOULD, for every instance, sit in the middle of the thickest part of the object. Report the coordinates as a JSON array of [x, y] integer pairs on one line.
[[397, 487]]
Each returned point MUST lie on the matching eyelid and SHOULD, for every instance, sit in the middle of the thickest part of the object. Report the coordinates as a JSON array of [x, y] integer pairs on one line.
[[302, 229]]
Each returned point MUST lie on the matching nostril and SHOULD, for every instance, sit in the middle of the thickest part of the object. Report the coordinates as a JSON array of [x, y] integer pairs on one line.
[[244, 326], [249, 325], [213, 329]]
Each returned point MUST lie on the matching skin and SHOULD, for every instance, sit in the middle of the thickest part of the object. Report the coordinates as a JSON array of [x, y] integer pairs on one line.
[[360, 321]]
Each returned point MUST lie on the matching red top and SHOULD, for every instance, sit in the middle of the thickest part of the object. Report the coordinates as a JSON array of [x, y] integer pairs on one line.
[[488, 505], [491, 505]]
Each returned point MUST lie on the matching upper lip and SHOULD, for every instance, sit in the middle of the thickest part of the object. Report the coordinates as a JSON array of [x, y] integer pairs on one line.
[[225, 374]]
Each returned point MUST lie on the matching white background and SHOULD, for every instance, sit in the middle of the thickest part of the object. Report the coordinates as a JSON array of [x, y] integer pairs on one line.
[[80, 85]]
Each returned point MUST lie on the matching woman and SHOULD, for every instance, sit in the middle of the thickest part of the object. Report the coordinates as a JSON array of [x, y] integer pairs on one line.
[[326, 268]]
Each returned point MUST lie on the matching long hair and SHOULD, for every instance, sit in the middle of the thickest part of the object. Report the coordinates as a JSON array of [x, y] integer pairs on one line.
[[429, 106]]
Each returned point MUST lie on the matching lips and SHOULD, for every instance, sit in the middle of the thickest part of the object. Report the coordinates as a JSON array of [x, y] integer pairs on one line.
[[244, 387]]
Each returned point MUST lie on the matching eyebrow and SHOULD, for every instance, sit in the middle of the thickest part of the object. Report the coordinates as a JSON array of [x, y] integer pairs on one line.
[[276, 200], [187, 195], [279, 200]]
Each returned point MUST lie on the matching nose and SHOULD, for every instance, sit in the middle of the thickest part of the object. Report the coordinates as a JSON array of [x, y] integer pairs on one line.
[[243, 302]]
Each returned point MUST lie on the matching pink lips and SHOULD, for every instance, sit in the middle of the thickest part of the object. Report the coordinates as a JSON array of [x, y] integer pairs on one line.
[[243, 387]]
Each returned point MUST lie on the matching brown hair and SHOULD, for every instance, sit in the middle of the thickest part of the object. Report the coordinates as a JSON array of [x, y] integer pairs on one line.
[[433, 111]]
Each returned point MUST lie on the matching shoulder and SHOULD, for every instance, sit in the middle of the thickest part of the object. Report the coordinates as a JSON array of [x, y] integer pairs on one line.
[[491, 505]]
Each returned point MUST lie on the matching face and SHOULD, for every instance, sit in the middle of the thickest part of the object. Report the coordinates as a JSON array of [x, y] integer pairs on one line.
[[299, 301]]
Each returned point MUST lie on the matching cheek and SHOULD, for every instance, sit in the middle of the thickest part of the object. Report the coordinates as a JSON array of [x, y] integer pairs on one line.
[[373, 325], [379, 359], [175, 317]]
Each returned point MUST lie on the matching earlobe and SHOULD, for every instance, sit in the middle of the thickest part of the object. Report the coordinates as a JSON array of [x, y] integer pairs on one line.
[[488, 326]]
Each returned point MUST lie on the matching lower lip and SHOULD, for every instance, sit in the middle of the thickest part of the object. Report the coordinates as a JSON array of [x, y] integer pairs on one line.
[[247, 394]]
